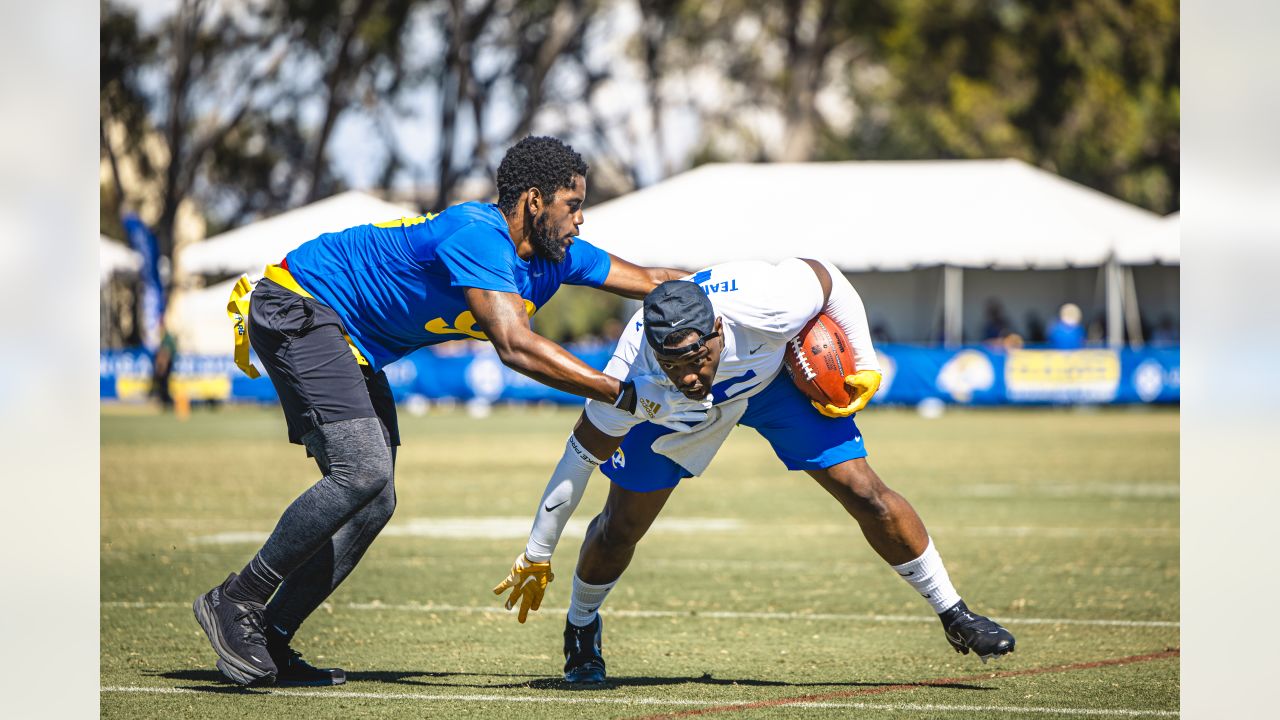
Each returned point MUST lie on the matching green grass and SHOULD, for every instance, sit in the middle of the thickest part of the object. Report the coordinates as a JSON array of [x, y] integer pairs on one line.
[[1040, 514]]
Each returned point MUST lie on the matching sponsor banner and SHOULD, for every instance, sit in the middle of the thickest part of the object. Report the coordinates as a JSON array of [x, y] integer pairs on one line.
[[1062, 376], [967, 376]]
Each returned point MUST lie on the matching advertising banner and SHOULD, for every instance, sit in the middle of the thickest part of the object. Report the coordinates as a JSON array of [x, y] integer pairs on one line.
[[965, 376]]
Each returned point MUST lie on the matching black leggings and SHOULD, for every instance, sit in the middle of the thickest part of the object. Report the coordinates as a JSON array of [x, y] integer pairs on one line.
[[326, 530]]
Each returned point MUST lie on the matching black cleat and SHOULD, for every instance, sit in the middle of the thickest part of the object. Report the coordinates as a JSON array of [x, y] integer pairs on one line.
[[583, 663], [292, 670], [235, 632], [967, 630]]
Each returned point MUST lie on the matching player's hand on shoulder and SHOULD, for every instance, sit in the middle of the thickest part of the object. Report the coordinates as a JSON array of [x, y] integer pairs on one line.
[[528, 583], [648, 398], [862, 385]]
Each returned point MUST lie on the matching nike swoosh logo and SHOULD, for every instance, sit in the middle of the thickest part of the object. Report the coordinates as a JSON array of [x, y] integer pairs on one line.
[[553, 507], [909, 574], [756, 349]]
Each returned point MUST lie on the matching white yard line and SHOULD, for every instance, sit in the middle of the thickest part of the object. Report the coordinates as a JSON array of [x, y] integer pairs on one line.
[[710, 614], [674, 702], [517, 528]]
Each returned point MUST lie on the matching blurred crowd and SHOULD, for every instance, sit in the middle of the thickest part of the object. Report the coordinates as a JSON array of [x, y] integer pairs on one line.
[[1067, 331]]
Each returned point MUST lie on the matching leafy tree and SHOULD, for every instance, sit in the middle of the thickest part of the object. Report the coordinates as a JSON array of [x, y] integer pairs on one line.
[[1088, 90]]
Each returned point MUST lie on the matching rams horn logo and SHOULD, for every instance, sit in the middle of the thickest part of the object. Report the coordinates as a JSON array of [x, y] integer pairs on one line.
[[619, 458]]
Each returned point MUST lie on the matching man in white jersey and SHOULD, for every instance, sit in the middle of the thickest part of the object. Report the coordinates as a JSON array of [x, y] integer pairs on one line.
[[721, 336]]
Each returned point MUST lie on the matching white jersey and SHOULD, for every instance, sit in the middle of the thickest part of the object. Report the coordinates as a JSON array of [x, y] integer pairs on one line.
[[762, 307]]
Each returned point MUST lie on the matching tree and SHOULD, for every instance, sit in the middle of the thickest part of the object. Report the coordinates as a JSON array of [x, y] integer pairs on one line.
[[1088, 90], [212, 68]]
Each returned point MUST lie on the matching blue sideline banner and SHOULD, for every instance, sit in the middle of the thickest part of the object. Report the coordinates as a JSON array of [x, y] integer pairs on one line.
[[967, 376], [982, 376]]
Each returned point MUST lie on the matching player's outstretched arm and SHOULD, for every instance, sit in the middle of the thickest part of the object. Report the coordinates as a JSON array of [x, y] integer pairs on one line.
[[503, 318], [843, 304], [634, 281], [531, 572]]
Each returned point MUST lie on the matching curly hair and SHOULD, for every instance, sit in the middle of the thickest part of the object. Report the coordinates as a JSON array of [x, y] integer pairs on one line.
[[541, 162]]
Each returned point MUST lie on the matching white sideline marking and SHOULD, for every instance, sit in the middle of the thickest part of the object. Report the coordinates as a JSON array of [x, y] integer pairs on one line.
[[491, 528], [1065, 490], [711, 614], [347, 694], [517, 528], [1061, 532]]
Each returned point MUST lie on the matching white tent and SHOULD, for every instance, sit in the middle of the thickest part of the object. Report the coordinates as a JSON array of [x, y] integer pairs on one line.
[[1002, 214], [114, 257], [874, 216], [248, 249], [1162, 244], [200, 322]]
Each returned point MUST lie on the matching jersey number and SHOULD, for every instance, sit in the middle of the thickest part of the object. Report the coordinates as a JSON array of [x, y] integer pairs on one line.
[[465, 323]]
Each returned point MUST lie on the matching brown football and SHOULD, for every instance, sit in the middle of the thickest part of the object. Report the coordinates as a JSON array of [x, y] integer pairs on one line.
[[819, 359]]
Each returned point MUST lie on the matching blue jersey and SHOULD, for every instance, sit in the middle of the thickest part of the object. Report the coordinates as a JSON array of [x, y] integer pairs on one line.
[[398, 286]]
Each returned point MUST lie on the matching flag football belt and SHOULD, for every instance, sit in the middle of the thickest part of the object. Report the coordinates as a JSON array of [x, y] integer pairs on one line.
[[238, 311]]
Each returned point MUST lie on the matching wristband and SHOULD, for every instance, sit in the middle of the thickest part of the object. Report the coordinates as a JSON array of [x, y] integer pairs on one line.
[[626, 399]]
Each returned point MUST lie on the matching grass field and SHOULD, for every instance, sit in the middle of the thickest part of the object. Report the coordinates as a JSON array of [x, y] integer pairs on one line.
[[763, 601]]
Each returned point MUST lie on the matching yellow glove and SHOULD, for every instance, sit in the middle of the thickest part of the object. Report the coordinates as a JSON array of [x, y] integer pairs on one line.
[[527, 581], [862, 387]]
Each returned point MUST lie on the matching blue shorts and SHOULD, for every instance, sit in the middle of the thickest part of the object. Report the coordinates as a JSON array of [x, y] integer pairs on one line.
[[802, 438]]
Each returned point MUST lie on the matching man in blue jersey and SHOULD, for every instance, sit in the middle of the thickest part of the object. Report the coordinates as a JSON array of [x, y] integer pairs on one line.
[[339, 308]]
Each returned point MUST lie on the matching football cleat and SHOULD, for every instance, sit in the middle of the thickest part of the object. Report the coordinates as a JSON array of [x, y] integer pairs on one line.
[[583, 663], [968, 631], [292, 670], [235, 631]]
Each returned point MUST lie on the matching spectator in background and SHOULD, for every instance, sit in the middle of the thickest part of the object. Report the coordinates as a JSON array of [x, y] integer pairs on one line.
[[1067, 333], [1166, 333], [995, 326], [880, 332], [1096, 335], [162, 368], [1035, 328]]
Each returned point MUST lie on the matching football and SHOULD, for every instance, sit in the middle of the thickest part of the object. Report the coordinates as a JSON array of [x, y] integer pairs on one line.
[[819, 359]]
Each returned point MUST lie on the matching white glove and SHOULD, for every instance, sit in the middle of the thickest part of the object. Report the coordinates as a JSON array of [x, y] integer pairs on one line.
[[648, 399]]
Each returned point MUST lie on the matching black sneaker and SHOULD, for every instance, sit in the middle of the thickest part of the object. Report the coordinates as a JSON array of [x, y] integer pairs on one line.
[[235, 632], [583, 663], [967, 630], [292, 670]]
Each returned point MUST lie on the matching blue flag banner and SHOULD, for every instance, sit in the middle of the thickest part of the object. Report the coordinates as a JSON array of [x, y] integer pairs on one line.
[[965, 376], [151, 312]]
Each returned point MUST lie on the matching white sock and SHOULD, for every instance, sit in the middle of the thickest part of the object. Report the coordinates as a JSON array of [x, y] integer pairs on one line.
[[928, 576], [585, 601]]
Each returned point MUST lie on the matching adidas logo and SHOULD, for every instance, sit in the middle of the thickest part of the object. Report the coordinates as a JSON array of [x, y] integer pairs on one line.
[[651, 408]]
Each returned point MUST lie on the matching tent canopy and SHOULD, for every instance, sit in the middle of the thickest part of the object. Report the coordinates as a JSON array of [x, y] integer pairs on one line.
[[114, 257], [249, 248], [1162, 245], [876, 215]]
